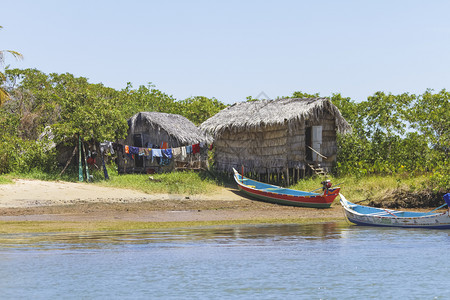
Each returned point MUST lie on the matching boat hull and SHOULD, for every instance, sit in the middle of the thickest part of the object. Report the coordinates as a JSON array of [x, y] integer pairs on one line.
[[391, 218], [287, 197], [430, 226]]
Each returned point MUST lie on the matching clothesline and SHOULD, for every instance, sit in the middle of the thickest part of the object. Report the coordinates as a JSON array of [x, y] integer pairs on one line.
[[177, 152]]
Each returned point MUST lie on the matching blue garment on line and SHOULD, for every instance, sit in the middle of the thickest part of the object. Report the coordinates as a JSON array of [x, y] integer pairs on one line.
[[189, 149], [167, 153], [134, 150]]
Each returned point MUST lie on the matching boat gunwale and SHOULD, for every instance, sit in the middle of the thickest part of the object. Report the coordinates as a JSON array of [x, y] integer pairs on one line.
[[264, 191]]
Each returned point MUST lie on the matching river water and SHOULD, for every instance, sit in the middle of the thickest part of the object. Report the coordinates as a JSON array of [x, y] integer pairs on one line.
[[321, 261]]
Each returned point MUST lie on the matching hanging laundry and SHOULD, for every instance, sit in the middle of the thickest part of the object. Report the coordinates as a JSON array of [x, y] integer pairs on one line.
[[141, 151], [183, 152], [127, 149], [176, 152], [195, 148], [147, 151], [105, 172], [156, 153], [107, 146], [164, 161], [134, 150], [167, 153], [164, 145], [189, 149]]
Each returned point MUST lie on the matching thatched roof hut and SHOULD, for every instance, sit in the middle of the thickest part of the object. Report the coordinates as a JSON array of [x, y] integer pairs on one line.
[[155, 129], [160, 127], [276, 136]]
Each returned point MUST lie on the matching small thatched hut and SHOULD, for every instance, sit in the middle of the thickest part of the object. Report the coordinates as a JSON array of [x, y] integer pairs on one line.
[[273, 137], [154, 130]]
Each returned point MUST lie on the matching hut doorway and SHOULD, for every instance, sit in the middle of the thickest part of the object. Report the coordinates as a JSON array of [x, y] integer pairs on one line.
[[137, 142], [316, 142], [313, 140]]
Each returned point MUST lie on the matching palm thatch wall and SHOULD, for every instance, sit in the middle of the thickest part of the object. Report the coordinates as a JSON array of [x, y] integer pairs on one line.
[[270, 136], [150, 130]]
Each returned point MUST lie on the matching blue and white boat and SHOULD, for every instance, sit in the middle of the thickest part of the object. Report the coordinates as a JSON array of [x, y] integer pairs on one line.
[[372, 216]]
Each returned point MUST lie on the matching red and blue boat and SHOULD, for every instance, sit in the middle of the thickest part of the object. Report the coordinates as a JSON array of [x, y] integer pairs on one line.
[[279, 195]]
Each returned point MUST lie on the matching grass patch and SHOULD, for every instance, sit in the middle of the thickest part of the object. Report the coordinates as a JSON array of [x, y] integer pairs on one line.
[[37, 175], [366, 188], [5, 179], [189, 182]]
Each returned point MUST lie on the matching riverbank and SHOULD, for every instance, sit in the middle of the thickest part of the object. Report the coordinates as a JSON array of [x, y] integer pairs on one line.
[[33, 205]]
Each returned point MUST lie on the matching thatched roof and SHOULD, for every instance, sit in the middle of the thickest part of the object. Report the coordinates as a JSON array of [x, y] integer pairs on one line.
[[255, 114], [176, 126]]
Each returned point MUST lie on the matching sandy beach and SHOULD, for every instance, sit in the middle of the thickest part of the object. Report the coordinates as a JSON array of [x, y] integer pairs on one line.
[[34, 200]]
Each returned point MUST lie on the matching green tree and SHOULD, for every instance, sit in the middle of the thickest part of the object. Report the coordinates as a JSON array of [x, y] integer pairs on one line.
[[431, 116], [350, 110], [31, 100], [89, 110], [4, 96], [198, 109], [386, 113], [146, 98], [70, 105], [299, 94]]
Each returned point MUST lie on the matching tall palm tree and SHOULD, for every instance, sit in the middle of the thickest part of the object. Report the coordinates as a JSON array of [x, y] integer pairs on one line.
[[3, 93]]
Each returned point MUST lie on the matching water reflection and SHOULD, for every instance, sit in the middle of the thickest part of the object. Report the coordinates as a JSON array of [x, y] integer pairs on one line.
[[223, 235], [228, 262]]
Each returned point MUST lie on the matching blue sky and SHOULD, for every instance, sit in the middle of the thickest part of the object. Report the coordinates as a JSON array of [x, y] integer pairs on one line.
[[233, 49]]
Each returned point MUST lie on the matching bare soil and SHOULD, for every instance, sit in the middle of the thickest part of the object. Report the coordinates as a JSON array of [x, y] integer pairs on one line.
[[34, 200], [401, 198]]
